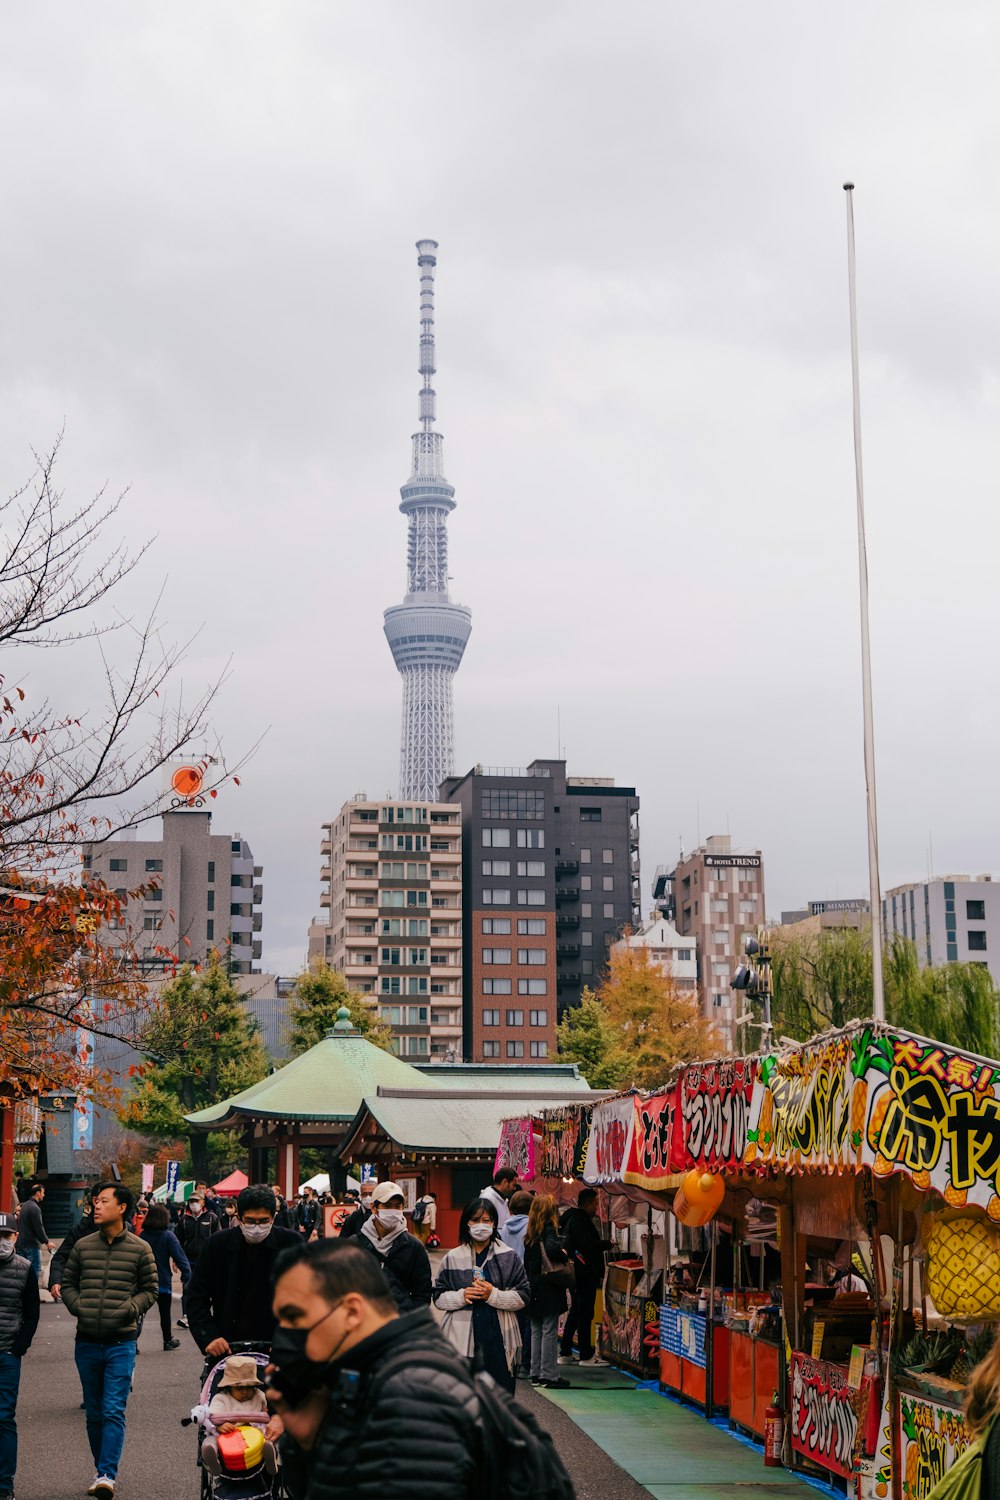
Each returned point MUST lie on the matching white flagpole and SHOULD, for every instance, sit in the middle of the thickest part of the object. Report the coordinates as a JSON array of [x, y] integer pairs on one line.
[[878, 995]]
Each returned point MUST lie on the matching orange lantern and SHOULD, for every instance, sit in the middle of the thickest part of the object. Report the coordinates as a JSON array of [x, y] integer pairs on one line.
[[698, 1198]]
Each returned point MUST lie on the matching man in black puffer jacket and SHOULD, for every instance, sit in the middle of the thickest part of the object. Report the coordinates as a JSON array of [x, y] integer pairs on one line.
[[357, 1423]]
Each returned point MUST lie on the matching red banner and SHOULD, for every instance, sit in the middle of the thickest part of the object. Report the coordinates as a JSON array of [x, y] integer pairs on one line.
[[714, 1108], [649, 1165], [824, 1414]]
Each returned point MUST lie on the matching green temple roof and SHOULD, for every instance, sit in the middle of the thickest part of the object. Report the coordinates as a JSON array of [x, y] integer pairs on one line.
[[327, 1084]]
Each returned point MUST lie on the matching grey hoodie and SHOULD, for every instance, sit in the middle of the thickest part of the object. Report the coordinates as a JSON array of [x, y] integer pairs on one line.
[[512, 1233]]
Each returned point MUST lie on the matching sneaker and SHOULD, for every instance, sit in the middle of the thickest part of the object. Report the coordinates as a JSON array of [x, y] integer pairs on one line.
[[566, 1359], [595, 1362], [172, 1344], [536, 1379], [556, 1385], [102, 1487], [182, 1322]]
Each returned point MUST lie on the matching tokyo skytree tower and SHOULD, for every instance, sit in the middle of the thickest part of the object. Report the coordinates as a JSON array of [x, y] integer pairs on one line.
[[427, 633]]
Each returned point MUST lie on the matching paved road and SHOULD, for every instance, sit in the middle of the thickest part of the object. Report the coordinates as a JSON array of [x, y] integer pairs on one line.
[[158, 1462], [54, 1462]]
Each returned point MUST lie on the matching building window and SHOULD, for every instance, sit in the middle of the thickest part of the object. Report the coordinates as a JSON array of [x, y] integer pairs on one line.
[[491, 1018], [585, 882], [496, 838], [977, 942], [515, 1018], [515, 1049], [586, 909], [152, 921], [496, 955], [531, 838], [590, 814], [609, 909], [952, 952], [585, 856], [154, 865], [531, 926], [587, 967], [496, 987], [496, 898], [532, 987], [975, 911], [538, 1049], [210, 930], [210, 901], [534, 869], [538, 1017], [720, 935], [497, 925], [608, 883], [683, 955], [496, 866], [587, 939], [531, 898], [531, 955], [119, 864], [211, 871], [149, 896], [608, 856], [505, 804], [490, 1049]]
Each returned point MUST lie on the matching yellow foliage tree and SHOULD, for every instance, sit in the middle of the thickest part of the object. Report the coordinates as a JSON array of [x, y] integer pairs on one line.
[[658, 1024]]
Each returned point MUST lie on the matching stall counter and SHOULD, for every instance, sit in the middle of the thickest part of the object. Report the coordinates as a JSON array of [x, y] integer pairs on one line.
[[684, 1350], [754, 1377]]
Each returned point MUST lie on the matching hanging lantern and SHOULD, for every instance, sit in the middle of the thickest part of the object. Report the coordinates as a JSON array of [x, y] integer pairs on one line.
[[698, 1198]]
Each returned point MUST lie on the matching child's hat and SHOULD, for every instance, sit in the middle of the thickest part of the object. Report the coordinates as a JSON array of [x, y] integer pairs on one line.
[[240, 1369]]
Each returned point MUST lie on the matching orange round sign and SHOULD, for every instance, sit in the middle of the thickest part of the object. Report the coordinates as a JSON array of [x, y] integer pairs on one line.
[[186, 781]]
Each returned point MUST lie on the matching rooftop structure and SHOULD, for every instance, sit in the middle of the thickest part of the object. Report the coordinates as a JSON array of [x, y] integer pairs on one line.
[[427, 633]]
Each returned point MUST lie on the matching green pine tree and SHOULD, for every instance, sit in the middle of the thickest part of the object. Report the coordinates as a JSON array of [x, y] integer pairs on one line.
[[318, 995], [587, 1037], [201, 1048]]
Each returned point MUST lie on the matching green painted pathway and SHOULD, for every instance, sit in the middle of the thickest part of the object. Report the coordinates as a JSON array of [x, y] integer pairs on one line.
[[666, 1447]]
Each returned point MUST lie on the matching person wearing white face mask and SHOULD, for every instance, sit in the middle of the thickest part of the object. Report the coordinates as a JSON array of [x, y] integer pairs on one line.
[[403, 1259], [480, 1289], [229, 1294], [18, 1321]]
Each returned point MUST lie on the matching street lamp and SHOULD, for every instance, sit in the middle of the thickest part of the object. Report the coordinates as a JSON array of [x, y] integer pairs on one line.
[[753, 980]]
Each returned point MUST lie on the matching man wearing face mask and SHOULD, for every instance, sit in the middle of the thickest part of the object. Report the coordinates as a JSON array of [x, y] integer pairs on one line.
[[229, 1294], [353, 1222], [18, 1321], [403, 1259], [361, 1417]]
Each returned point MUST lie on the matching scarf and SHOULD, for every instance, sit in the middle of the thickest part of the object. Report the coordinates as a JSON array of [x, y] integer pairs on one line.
[[386, 1242]]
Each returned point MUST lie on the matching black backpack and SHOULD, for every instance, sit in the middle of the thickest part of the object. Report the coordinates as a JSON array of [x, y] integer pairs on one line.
[[518, 1459]]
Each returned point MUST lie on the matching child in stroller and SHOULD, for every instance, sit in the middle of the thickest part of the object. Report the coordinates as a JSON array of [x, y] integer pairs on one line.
[[237, 1461]]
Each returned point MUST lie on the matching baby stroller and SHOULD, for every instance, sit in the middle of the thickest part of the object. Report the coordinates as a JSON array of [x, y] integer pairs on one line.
[[243, 1475]]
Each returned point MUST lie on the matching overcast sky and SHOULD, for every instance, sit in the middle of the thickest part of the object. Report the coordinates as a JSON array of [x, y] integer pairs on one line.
[[643, 377]]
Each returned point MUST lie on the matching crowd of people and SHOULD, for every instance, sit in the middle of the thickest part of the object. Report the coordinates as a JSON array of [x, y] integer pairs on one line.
[[357, 1329]]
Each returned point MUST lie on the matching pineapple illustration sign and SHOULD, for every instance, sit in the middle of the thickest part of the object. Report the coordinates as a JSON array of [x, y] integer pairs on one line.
[[932, 1438], [886, 1100]]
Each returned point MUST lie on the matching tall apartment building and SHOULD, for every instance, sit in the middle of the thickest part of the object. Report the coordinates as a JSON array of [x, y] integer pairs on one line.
[[204, 892], [954, 919], [550, 878], [718, 897], [392, 876]]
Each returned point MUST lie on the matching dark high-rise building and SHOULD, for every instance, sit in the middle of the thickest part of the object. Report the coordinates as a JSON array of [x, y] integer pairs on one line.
[[550, 877]]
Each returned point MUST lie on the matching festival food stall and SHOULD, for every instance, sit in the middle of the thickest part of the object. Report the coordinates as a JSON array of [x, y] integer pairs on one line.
[[849, 1263]]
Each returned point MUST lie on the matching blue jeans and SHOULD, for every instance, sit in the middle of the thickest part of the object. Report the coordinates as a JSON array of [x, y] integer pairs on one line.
[[34, 1259], [106, 1376], [10, 1379]]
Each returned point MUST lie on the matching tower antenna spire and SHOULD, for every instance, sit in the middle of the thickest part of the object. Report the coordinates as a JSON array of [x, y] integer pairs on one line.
[[427, 633]]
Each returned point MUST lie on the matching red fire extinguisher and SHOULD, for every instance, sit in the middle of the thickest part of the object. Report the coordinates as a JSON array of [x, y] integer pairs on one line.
[[774, 1433]]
